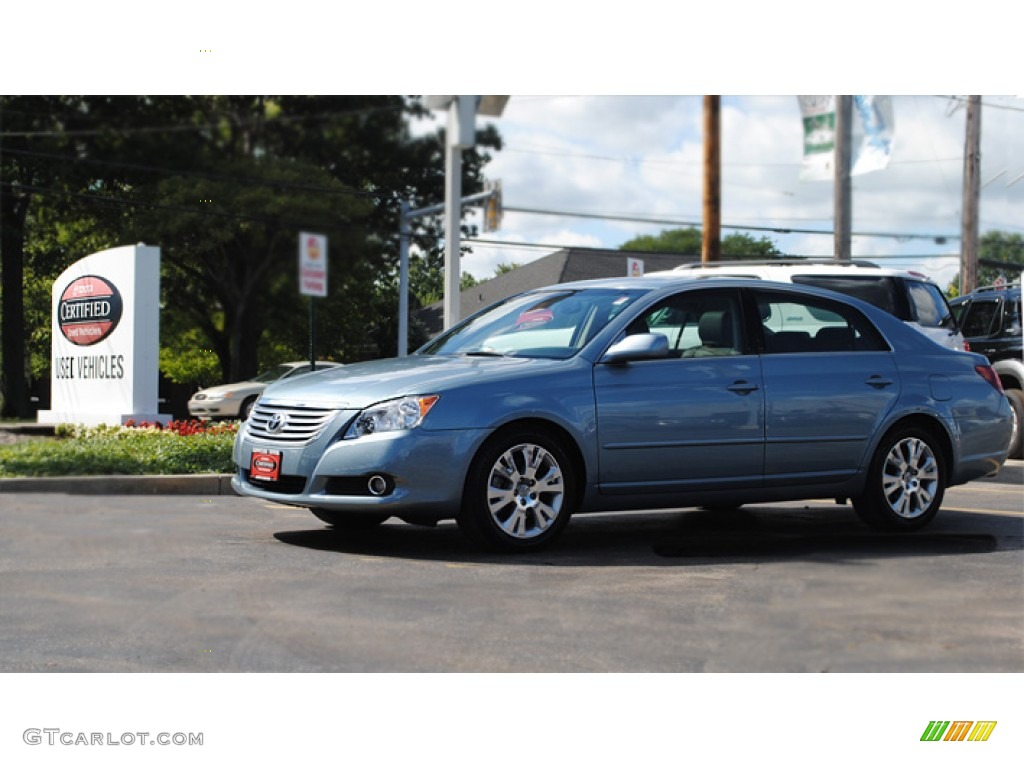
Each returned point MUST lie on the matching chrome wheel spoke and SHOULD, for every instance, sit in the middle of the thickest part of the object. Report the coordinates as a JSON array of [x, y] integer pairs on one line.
[[525, 491], [910, 478]]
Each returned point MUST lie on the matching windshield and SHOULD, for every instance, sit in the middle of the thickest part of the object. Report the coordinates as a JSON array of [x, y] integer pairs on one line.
[[553, 324], [273, 374]]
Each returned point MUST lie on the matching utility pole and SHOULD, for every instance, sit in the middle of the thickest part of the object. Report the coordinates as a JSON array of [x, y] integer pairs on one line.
[[711, 240], [969, 224], [842, 215]]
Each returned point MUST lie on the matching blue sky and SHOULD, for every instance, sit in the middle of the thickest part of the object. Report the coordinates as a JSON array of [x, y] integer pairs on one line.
[[641, 156]]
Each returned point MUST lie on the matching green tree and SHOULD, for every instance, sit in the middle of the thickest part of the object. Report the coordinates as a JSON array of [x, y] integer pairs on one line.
[[689, 242], [1000, 254], [223, 185]]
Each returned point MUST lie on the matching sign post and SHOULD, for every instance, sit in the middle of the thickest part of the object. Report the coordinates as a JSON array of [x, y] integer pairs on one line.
[[312, 280]]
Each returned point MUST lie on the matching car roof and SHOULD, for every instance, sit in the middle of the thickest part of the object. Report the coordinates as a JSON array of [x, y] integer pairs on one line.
[[665, 284], [829, 267], [1011, 290]]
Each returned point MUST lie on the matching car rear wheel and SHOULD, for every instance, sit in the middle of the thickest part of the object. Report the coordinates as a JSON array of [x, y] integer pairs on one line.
[[520, 492], [906, 481], [1016, 398], [347, 521]]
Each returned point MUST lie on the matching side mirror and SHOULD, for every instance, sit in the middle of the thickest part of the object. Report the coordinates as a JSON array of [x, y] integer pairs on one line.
[[639, 346]]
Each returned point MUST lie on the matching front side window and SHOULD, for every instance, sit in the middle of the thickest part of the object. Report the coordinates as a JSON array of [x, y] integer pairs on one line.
[[795, 324], [696, 324]]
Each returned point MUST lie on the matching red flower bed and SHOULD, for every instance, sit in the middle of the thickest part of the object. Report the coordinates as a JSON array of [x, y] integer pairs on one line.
[[185, 428]]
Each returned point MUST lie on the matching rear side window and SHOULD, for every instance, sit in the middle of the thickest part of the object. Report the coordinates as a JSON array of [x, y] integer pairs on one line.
[[877, 290], [927, 305], [803, 324]]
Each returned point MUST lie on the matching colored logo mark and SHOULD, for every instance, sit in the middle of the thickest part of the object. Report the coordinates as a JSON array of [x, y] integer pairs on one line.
[[958, 730]]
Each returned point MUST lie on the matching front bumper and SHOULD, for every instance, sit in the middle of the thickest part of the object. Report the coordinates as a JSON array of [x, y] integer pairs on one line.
[[209, 409], [424, 471]]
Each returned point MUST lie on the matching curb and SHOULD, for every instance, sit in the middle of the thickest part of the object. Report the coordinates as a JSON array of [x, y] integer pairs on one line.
[[123, 485]]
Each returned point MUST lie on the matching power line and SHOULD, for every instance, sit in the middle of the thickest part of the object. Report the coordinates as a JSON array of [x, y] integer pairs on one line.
[[752, 228]]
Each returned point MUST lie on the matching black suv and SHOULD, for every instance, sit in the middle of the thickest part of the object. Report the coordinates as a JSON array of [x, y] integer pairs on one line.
[[990, 319]]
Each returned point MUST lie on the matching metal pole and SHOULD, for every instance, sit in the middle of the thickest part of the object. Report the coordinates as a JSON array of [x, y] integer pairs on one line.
[[312, 333], [972, 172], [452, 217], [711, 241], [842, 224], [403, 280]]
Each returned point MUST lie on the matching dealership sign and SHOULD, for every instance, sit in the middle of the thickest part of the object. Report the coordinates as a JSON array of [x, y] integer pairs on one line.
[[106, 338]]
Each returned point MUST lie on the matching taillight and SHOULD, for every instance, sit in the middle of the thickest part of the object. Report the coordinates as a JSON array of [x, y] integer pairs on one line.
[[967, 346], [989, 375]]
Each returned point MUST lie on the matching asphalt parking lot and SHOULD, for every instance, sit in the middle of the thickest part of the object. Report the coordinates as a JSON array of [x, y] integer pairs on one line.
[[221, 583]]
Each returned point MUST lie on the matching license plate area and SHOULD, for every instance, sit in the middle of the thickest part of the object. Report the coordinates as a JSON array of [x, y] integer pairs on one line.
[[265, 465]]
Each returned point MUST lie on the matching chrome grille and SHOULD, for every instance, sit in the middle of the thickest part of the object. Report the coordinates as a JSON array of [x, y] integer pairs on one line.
[[289, 425]]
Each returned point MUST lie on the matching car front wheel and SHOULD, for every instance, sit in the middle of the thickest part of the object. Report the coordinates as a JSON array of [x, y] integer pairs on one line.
[[906, 482], [520, 492]]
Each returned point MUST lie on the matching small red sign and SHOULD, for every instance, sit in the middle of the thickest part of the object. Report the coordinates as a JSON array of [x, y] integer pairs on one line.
[[265, 465]]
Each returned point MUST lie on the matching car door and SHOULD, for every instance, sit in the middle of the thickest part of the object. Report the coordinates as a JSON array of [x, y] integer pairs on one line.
[[829, 379], [693, 420]]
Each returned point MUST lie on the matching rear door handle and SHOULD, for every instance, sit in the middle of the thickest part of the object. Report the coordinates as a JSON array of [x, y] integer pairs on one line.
[[878, 382], [742, 387]]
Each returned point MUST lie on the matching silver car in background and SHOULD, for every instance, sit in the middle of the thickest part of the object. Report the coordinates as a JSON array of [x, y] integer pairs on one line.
[[632, 394]]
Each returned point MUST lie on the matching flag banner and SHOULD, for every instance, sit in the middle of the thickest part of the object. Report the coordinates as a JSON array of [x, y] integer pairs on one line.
[[872, 135], [819, 117], [876, 121]]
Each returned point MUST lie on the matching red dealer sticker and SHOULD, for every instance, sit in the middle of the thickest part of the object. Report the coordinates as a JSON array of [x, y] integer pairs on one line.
[[89, 310], [265, 465]]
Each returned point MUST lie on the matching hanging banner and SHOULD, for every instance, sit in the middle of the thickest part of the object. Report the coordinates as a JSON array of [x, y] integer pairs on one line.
[[871, 135], [819, 118], [873, 151]]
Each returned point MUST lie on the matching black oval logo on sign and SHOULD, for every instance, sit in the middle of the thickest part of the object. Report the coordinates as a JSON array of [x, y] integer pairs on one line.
[[89, 310]]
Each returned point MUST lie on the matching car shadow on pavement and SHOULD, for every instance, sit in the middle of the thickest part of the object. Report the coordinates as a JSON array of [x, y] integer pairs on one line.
[[692, 537]]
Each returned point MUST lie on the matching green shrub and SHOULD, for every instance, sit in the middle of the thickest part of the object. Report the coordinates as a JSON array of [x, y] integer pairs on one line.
[[183, 448]]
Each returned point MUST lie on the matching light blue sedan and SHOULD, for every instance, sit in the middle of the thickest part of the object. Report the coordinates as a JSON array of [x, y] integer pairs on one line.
[[633, 394]]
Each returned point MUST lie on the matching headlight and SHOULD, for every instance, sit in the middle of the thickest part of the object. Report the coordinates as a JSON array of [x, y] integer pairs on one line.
[[391, 416], [219, 395]]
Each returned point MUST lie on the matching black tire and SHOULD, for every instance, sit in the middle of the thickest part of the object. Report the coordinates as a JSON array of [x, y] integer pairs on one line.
[[247, 404], [348, 521], [906, 481], [1016, 398], [520, 492]]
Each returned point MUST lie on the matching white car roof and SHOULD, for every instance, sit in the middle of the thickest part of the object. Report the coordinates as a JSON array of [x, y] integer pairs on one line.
[[784, 270]]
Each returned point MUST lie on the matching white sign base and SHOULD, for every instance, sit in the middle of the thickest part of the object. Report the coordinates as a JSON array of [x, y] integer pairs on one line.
[[106, 340]]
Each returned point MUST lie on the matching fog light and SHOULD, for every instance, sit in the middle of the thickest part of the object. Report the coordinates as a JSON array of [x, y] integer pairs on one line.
[[377, 485]]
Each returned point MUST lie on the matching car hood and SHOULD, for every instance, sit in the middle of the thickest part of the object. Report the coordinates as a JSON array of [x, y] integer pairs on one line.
[[363, 384]]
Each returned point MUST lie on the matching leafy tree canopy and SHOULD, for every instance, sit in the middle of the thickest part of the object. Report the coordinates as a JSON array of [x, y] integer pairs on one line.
[[689, 242]]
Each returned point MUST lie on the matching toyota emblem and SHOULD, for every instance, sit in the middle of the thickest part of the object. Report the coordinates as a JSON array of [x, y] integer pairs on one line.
[[277, 423]]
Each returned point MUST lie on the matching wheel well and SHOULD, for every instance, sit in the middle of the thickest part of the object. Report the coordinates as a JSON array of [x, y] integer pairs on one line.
[[559, 433], [934, 428]]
